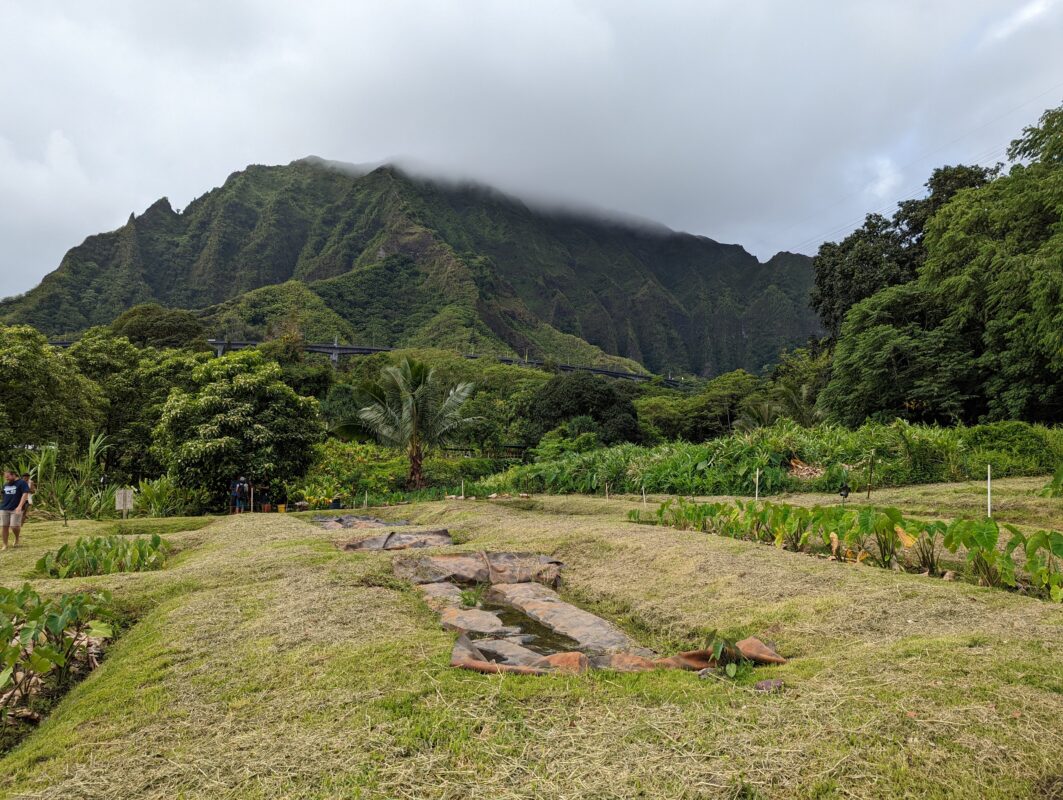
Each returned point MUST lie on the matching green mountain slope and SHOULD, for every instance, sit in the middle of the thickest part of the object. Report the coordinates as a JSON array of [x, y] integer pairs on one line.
[[379, 257]]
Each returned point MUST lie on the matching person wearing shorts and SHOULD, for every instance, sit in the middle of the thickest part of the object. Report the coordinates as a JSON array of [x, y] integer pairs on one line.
[[15, 493]]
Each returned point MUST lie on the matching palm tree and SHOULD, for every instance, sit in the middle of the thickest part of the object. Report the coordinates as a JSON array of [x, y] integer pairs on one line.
[[407, 409]]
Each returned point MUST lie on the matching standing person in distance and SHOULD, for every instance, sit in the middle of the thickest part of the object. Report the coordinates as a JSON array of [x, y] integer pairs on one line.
[[240, 492], [29, 497], [16, 492]]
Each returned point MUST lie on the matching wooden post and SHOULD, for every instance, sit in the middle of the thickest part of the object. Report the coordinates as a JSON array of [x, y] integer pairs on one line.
[[252, 508], [643, 495], [870, 474], [988, 490], [365, 503], [606, 491], [756, 491], [462, 488]]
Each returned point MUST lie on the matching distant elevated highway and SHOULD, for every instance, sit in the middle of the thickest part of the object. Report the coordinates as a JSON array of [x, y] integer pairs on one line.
[[334, 350]]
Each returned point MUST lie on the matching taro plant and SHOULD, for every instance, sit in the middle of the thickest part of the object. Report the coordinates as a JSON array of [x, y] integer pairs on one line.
[[1054, 488], [878, 536], [102, 555], [1044, 562], [926, 536], [725, 653], [44, 642], [991, 565]]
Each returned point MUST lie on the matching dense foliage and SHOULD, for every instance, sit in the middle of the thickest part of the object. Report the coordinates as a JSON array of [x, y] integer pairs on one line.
[[239, 418], [354, 471], [43, 396], [972, 329], [792, 458]]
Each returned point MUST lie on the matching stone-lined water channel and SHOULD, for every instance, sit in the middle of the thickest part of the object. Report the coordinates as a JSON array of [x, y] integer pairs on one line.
[[510, 619]]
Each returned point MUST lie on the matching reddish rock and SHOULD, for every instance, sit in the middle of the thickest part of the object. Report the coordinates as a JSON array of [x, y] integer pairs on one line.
[[624, 662], [473, 620], [507, 651], [756, 651], [693, 660], [440, 595], [571, 663], [465, 655], [402, 541]]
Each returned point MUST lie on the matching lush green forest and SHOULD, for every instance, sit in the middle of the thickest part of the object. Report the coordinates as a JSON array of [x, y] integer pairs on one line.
[[383, 258], [943, 354]]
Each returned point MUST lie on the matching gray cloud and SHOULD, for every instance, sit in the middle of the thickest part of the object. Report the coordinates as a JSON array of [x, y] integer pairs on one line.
[[770, 124]]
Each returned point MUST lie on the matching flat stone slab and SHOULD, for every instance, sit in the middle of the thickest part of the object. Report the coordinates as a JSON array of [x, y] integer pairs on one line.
[[354, 521], [474, 620], [394, 540], [440, 595], [592, 633], [477, 568], [507, 651]]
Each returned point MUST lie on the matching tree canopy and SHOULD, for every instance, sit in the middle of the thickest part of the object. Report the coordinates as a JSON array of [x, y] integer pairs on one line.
[[977, 333], [239, 418]]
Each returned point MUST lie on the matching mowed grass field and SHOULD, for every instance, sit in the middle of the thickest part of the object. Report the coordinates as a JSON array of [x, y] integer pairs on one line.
[[265, 663]]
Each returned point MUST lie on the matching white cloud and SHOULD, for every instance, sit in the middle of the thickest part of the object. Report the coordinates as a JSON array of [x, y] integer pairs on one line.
[[1017, 20], [740, 122]]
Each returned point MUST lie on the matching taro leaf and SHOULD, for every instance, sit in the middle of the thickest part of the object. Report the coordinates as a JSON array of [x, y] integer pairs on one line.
[[99, 630]]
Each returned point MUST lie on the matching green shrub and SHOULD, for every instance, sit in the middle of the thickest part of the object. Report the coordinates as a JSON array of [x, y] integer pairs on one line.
[[350, 470], [44, 643], [162, 497], [1022, 443], [887, 455], [102, 555]]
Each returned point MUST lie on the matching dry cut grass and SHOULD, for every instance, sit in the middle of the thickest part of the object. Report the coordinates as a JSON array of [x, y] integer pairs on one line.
[[266, 663]]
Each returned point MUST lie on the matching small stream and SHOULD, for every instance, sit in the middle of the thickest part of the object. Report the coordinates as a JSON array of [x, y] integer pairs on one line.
[[539, 638]]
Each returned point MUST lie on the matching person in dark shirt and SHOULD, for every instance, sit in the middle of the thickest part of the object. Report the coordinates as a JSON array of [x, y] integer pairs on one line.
[[239, 491], [13, 503]]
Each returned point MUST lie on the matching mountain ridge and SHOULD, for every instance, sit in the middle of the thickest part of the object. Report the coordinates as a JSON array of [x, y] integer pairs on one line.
[[395, 259]]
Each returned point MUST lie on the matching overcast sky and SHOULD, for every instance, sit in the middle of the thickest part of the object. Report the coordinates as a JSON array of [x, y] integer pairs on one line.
[[770, 124]]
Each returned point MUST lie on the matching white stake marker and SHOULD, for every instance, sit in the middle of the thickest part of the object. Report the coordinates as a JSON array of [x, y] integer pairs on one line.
[[988, 490]]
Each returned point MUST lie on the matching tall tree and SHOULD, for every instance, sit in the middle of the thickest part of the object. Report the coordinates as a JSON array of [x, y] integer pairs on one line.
[[408, 409], [239, 418], [43, 397], [883, 252], [979, 334]]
